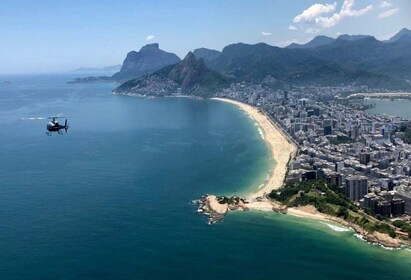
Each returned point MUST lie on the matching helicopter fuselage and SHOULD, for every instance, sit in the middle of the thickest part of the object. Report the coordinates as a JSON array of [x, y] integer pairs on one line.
[[54, 126]]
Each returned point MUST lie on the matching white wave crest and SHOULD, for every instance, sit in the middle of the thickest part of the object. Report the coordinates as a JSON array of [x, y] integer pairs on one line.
[[336, 228], [261, 133]]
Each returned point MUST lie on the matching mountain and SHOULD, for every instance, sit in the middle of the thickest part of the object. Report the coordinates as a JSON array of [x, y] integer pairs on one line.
[[322, 40], [368, 54], [261, 62], [346, 60], [113, 68], [352, 38], [316, 42], [401, 35], [190, 76], [358, 60], [149, 59], [206, 54]]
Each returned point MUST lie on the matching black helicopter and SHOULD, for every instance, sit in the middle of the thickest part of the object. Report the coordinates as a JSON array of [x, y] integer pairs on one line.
[[53, 125]]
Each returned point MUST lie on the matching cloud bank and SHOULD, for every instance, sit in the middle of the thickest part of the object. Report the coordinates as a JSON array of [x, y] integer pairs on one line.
[[316, 13], [388, 13]]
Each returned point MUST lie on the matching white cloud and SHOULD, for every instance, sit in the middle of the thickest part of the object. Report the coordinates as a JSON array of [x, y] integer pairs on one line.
[[292, 27], [346, 11], [312, 30], [315, 13], [310, 14], [385, 4], [388, 13], [266, 33], [286, 42], [150, 37]]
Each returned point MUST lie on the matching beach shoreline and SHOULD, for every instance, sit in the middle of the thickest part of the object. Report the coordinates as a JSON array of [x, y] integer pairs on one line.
[[281, 148]]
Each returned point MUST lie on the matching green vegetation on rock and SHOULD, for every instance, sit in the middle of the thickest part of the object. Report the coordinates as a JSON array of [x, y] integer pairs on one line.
[[331, 201]]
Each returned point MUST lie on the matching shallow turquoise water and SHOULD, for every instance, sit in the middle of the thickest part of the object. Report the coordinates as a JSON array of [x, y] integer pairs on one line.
[[112, 198]]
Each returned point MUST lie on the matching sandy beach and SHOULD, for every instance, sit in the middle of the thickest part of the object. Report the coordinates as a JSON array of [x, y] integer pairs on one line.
[[281, 148]]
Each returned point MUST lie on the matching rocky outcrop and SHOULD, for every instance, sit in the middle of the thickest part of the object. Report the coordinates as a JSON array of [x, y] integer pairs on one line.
[[149, 59], [189, 77], [189, 72]]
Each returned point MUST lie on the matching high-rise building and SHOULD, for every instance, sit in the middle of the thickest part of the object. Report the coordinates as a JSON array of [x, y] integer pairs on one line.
[[356, 187], [365, 158], [397, 207], [383, 208], [406, 197], [368, 200], [339, 166]]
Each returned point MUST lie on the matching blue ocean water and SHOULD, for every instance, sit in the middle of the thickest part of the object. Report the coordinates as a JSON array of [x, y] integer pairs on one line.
[[398, 107], [112, 198]]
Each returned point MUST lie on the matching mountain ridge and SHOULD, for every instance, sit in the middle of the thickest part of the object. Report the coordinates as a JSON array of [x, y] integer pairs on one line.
[[190, 76], [359, 60], [150, 58]]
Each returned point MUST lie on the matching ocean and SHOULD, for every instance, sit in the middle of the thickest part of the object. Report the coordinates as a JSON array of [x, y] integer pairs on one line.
[[112, 198], [396, 107]]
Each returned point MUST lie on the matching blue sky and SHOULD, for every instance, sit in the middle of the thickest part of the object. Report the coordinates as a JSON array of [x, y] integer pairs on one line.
[[57, 36]]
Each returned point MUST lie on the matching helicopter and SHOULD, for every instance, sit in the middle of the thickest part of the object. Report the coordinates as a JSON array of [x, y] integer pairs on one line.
[[53, 125]]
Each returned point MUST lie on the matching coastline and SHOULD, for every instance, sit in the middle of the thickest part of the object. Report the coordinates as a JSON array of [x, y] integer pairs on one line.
[[281, 149]]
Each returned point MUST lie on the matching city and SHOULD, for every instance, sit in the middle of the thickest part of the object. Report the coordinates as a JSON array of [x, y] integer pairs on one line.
[[364, 155]]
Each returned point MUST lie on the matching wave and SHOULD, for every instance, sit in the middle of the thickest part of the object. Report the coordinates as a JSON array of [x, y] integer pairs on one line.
[[337, 228], [260, 131]]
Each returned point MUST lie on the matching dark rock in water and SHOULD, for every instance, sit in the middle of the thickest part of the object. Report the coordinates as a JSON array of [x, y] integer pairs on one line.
[[112, 69], [215, 208], [100, 79]]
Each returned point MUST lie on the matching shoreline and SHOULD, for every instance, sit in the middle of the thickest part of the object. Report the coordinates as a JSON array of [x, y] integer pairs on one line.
[[282, 150]]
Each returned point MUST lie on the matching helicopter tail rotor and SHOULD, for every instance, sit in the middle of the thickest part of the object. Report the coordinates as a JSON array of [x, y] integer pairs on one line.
[[66, 126]]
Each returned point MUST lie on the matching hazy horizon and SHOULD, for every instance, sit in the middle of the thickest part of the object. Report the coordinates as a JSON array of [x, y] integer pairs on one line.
[[56, 37]]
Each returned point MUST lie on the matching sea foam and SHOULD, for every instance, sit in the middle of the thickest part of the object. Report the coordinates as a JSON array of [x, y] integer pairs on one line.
[[336, 228]]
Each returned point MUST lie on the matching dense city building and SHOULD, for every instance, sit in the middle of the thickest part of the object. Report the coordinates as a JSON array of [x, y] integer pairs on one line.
[[363, 154], [356, 188]]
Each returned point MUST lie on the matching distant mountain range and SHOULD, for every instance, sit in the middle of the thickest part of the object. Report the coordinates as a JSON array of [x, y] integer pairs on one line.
[[190, 76], [358, 60], [113, 68], [324, 61]]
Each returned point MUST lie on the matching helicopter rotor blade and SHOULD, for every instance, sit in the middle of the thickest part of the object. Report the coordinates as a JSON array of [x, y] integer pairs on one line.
[[34, 118], [59, 116]]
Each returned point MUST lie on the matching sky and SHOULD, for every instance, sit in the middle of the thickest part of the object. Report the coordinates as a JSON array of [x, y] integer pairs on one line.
[[57, 36]]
